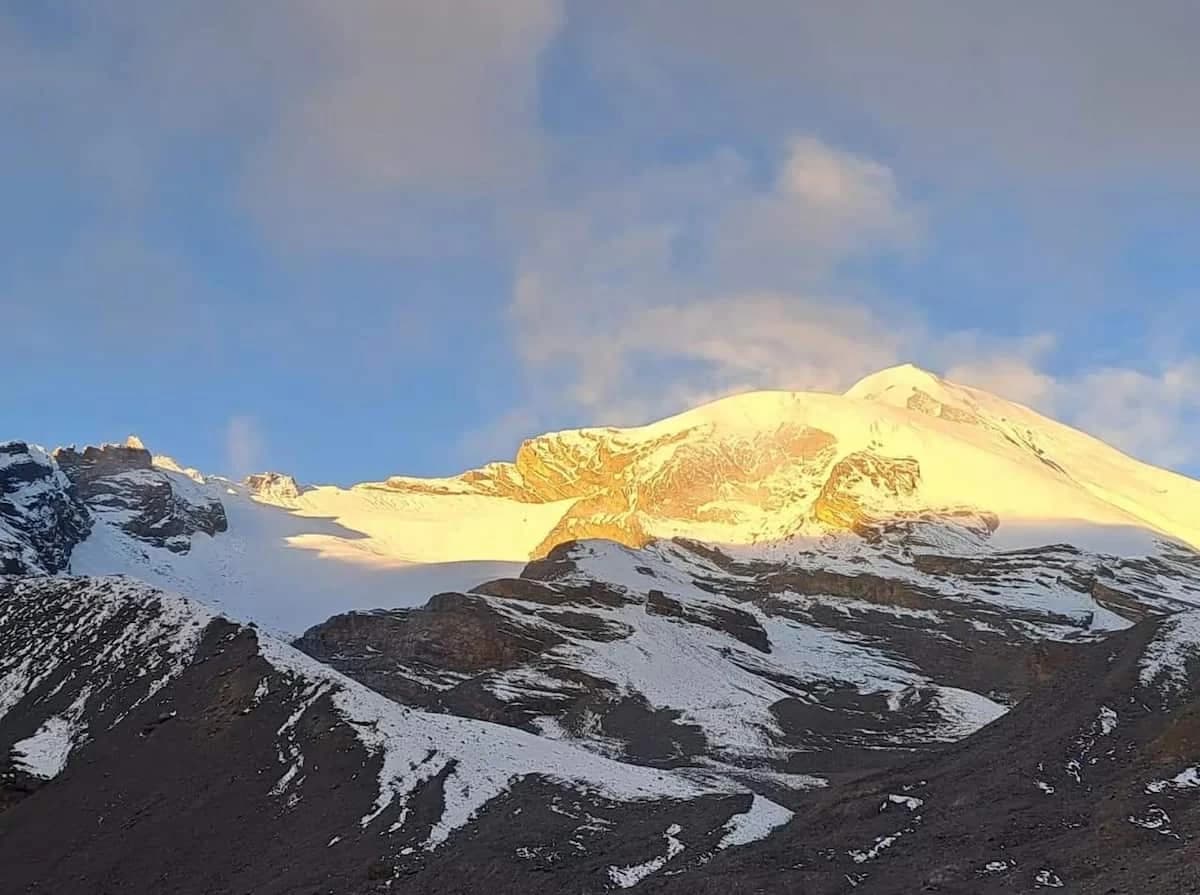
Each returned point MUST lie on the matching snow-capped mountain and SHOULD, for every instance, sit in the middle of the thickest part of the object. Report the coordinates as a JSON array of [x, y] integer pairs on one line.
[[767, 466], [730, 631], [771, 473]]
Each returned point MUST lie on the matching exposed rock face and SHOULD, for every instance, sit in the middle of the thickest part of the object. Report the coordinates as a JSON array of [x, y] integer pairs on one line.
[[273, 486], [608, 514], [625, 488], [41, 517], [861, 478], [121, 485], [456, 633], [923, 402]]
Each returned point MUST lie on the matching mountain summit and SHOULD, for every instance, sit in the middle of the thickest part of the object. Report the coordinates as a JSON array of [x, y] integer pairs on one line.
[[767, 466]]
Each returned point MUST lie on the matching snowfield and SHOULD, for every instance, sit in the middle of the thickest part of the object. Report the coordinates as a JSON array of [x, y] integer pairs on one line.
[[283, 569]]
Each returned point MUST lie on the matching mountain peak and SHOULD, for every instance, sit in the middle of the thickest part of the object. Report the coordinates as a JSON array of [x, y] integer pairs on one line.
[[905, 377], [273, 486]]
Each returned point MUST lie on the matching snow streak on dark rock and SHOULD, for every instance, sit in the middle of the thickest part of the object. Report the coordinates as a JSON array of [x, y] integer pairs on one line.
[[41, 516]]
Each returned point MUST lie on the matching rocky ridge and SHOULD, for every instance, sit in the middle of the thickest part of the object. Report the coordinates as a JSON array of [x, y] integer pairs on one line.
[[121, 484], [51, 501], [679, 653]]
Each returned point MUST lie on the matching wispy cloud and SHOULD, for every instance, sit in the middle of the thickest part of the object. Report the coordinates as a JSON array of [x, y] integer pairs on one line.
[[398, 111], [1153, 414], [244, 446], [696, 281]]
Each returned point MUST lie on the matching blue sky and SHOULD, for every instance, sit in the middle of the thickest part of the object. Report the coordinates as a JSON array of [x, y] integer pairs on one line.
[[374, 237]]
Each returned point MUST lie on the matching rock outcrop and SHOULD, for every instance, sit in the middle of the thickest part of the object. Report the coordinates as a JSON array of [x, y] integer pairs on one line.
[[276, 487], [41, 515], [626, 488], [857, 482], [121, 485]]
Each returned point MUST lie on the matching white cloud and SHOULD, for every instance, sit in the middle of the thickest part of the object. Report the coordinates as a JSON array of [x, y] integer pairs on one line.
[[694, 281], [844, 188], [1009, 368], [1153, 415]]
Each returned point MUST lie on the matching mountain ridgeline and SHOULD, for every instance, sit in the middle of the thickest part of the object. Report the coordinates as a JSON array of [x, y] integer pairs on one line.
[[910, 638]]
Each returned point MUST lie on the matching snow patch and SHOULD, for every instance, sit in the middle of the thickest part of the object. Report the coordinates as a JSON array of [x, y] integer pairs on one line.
[[964, 712], [1155, 819], [627, 877], [1047, 879], [45, 753], [881, 843], [1165, 660], [757, 822], [999, 866], [1188, 778]]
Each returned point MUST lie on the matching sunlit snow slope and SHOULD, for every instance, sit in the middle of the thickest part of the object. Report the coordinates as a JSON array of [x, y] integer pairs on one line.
[[767, 466]]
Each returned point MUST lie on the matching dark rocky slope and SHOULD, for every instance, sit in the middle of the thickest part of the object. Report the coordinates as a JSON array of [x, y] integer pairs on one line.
[[1073, 789], [173, 782], [832, 668], [149, 747]]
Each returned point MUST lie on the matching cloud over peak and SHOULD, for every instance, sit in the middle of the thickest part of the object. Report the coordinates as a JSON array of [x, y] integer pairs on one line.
[[710, 280]]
